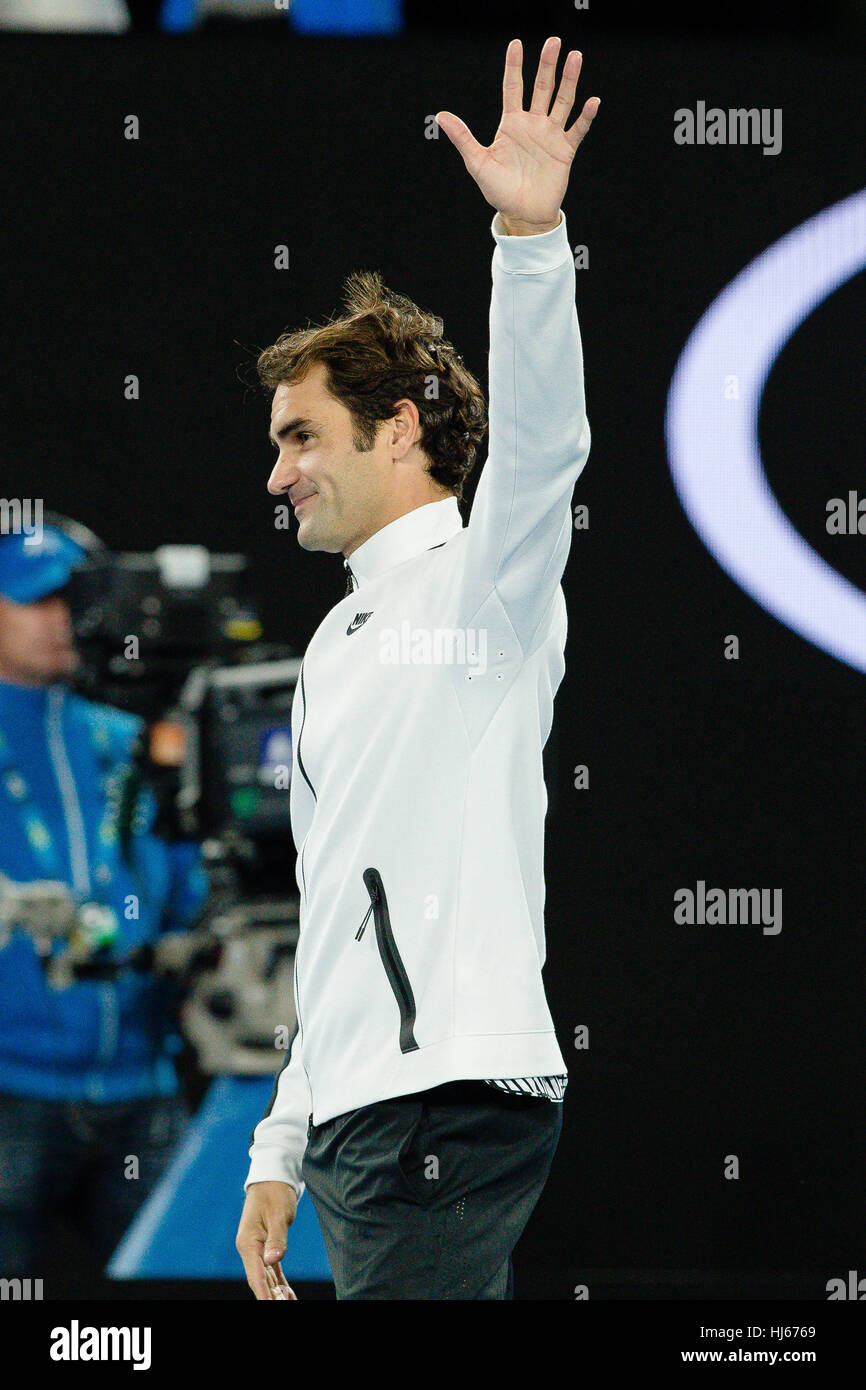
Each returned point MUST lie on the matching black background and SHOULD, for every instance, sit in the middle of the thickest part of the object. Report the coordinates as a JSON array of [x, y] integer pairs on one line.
[[155, 257]]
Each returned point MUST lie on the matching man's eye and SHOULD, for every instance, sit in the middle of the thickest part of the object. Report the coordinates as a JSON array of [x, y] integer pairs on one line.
[[302, 434]]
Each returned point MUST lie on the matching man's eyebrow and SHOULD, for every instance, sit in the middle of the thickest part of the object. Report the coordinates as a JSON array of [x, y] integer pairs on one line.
[[289, 428]]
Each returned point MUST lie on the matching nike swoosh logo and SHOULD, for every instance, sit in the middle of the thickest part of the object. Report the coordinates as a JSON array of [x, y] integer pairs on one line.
[[358, 621]]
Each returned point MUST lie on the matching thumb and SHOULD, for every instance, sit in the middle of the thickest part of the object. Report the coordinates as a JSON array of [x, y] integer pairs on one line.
[[459, 134], [275, 1240]]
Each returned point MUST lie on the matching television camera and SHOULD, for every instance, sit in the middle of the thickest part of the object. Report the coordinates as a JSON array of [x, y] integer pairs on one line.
[[175, 638]]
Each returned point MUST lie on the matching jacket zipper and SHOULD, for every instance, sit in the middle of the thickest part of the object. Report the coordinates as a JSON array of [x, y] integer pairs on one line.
[[295, 963], [301, 768], [390, 956]]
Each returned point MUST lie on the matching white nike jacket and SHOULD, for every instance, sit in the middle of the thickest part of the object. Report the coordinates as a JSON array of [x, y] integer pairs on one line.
[[423, 703]]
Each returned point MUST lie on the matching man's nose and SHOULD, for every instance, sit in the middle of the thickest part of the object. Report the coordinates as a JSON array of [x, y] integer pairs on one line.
[[283, 477]]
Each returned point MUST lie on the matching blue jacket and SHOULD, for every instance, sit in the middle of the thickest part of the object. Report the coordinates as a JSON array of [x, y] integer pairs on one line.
[[62, 762]]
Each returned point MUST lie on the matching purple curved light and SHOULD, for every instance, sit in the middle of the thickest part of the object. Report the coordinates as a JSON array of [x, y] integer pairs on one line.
[[712, 441]]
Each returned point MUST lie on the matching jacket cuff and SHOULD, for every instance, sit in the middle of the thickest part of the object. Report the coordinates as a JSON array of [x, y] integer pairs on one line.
[[273, 1165], [530, 255]]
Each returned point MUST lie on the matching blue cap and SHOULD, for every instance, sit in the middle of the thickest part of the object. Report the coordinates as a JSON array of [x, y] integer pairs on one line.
[[32, 567]]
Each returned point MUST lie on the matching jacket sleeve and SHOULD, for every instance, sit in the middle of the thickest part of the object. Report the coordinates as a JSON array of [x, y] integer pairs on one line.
[[519, 531], [279, 1139]]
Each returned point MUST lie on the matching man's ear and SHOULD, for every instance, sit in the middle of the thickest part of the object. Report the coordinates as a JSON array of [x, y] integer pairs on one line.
[[409, 416]]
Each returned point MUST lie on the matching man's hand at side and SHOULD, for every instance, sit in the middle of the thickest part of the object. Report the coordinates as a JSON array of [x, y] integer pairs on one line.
[[269, 1211]]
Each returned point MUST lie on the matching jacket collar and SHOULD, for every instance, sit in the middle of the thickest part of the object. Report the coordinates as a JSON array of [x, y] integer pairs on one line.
[[410, 535]]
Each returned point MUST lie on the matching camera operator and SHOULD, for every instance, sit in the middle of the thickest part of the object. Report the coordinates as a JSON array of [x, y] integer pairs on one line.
[[89, 1105]]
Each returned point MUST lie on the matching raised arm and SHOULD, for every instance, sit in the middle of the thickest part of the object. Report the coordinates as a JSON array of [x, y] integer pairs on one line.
[[520, 528]]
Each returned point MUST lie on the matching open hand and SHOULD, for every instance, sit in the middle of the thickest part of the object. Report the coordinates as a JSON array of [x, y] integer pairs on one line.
[[524, 173]]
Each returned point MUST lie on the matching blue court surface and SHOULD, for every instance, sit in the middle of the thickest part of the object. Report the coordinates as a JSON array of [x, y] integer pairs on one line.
[[187, 1227]]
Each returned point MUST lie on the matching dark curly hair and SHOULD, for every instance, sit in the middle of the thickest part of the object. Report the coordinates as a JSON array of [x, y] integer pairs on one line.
[[384, 349]]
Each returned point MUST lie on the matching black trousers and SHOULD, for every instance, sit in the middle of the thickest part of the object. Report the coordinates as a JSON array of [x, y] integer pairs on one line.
[[425, 1196]]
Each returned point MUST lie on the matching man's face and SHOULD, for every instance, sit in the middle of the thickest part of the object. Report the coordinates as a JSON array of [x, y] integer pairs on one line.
[[36, 644], [348, 496]]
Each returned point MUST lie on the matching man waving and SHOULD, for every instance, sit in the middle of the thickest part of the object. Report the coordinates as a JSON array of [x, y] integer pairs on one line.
[[421, 1097]]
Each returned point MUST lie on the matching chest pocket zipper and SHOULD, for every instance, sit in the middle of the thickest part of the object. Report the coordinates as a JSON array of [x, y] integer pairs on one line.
[[390, 956]]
